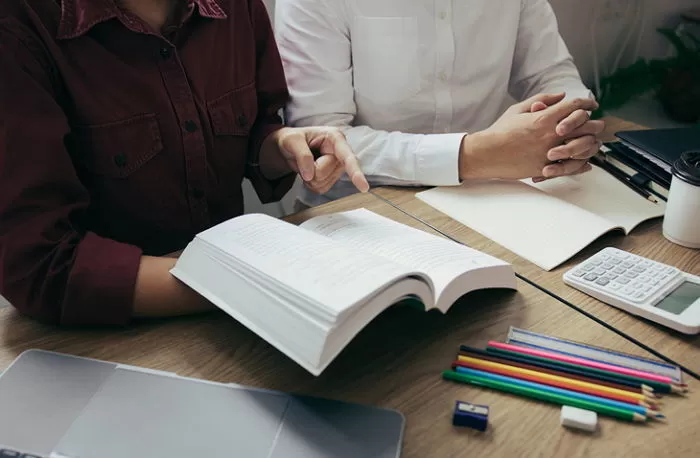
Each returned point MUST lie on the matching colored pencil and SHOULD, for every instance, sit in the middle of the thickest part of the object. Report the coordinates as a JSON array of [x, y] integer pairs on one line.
[[657, 386], [583, 362], [557, 381], [623, 414], [586, 397], [565, 370]]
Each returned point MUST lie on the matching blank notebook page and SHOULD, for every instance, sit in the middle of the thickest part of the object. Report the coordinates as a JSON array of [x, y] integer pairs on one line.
[[545, 223], [599, 192]]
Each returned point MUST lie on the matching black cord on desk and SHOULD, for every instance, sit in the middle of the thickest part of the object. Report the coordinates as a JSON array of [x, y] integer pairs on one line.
[[555, 296]]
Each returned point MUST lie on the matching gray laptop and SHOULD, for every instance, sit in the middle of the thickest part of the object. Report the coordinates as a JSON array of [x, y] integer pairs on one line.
[[59, 406]]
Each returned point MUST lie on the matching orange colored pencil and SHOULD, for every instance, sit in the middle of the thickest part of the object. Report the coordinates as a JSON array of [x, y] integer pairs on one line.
[[557, 381]]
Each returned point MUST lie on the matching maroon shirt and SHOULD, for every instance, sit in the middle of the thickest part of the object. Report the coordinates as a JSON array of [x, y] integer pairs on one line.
[[116, 141]]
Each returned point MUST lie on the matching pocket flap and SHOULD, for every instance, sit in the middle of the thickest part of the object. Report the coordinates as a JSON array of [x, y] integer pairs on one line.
[[118, 149], [234, 113]]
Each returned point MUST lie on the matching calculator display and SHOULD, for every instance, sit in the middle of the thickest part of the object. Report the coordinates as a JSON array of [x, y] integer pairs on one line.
[[681, 298]]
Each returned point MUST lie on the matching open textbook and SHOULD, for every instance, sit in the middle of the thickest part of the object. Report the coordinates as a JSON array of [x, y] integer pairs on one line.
[[549, 222], [309, 289]]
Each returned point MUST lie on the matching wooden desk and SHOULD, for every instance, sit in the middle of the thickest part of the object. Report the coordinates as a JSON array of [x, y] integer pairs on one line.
[[395, 362], [646, 240]]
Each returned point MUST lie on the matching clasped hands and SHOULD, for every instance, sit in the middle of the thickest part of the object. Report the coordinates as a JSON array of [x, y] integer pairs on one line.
[[542, 137], [580, 135]]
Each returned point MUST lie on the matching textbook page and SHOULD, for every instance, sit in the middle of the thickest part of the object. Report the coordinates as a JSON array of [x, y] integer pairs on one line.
[[442, 259], [325, 271]]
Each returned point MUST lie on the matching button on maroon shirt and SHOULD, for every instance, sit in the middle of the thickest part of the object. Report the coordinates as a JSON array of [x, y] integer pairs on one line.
[[116, 141]]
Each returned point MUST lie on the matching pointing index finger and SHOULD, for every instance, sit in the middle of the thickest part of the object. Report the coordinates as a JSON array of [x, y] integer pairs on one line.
[[342, 151]]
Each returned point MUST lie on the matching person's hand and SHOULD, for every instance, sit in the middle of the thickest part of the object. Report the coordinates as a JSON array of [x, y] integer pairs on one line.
[[581, 142], [320, 155], [519, 144]]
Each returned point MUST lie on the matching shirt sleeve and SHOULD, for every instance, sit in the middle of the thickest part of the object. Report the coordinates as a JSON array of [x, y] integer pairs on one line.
[[316, 51], [272, 94], [51, 268], [542, 62]]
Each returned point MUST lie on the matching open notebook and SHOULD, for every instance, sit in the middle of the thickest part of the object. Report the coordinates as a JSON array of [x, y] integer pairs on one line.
[[549, 222], [309, 289]]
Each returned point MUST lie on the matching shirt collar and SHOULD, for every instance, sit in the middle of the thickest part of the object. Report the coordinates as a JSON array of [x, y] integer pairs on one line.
[[79, 16]]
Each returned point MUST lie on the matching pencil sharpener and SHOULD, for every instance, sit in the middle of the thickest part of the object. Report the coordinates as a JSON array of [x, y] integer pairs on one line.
[[470, 415]]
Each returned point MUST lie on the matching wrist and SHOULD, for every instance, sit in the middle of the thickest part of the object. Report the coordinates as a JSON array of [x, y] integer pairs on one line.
[[271, 159], [474, 156]]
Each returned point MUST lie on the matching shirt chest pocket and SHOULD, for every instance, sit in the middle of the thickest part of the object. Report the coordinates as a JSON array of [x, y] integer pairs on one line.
[[118, 149], [235, 112], [386, 67]]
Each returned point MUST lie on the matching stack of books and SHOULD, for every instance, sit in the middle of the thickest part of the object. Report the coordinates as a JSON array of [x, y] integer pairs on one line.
[[644, 158]]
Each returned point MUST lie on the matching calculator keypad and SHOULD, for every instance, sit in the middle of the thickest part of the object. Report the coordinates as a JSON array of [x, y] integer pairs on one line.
[[625, 275]]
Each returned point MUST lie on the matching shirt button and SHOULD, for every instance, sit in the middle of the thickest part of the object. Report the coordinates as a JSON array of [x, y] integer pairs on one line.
[[120, 160], [197, 193], [443, 15], [190, 126], [442, 76], [242, 120], [165, 53]]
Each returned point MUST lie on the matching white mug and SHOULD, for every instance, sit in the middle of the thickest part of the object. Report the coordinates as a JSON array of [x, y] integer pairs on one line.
[[682, 217]]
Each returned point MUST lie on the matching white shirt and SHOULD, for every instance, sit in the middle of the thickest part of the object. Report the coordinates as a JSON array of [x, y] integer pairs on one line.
[[407, 79]]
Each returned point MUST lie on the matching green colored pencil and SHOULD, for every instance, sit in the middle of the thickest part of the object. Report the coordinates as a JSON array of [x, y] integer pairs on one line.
[[534, 393], [656, 386]]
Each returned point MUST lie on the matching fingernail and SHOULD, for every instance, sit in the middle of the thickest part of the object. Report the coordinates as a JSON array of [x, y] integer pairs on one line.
[[307, 174], [549, 172], [360, 183], [562, 130]]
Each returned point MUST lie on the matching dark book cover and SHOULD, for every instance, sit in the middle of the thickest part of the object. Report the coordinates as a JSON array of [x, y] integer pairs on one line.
[[664, 144]]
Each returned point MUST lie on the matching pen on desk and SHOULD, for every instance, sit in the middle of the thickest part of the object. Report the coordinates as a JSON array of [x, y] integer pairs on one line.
[[623, 177]]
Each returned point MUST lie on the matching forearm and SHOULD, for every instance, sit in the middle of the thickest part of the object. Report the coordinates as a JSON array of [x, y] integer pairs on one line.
[[159, 293]]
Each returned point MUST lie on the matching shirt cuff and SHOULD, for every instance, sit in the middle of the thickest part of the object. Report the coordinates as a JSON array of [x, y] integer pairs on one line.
[[266, 189], [437, 159], [101, 285]]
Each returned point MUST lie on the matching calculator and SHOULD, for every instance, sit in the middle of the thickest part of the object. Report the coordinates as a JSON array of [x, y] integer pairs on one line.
[[646, 288]]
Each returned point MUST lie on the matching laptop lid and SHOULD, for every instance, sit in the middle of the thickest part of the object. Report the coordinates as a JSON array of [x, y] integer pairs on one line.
[[63, 406]]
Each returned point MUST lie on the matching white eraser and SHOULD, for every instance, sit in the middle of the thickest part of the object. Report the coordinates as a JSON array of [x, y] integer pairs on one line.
[[574, 417]]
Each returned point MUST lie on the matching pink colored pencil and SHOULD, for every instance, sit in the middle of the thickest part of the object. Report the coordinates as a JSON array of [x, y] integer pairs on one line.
[[582, 362]]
